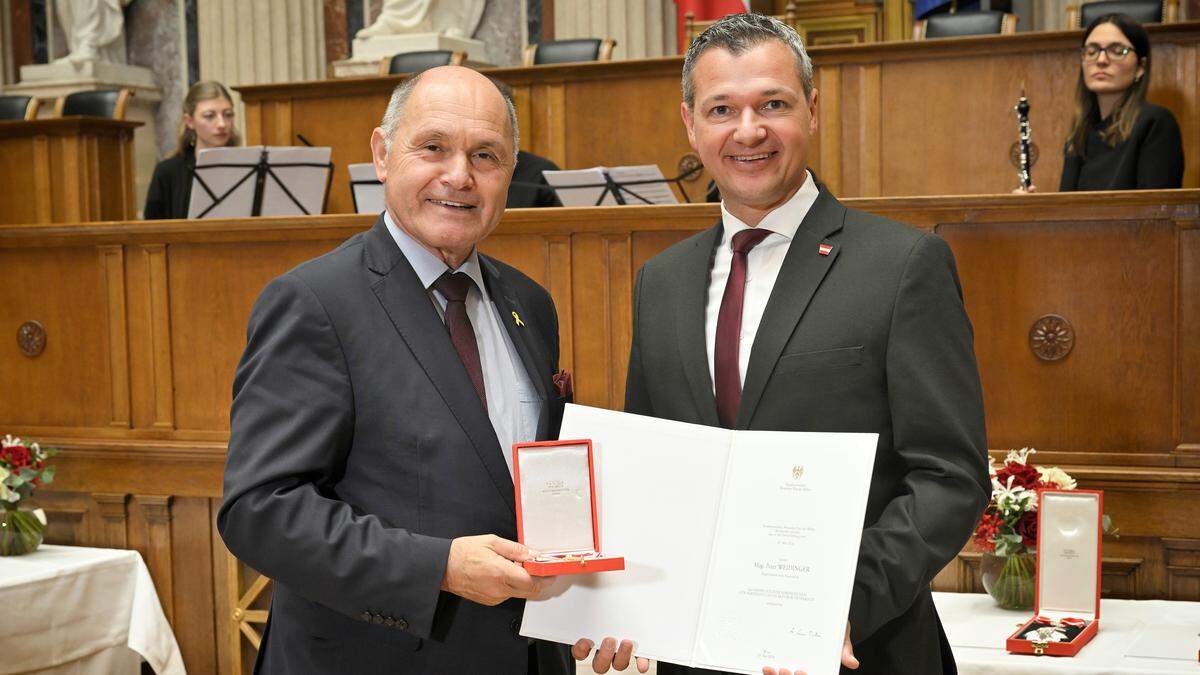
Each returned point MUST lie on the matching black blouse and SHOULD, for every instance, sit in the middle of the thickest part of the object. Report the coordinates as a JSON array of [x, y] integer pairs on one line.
[[1151, 158], [171, 187]]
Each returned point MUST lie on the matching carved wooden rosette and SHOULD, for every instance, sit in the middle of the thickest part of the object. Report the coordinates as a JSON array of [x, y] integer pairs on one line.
[[1051, 337], [31, 338]]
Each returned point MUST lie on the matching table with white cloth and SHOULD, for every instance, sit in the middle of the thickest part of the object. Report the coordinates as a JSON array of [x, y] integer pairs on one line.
[[73, 610], [1135, 637]]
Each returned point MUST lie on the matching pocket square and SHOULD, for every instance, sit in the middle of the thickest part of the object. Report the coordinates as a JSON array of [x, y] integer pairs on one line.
[[563, 384]]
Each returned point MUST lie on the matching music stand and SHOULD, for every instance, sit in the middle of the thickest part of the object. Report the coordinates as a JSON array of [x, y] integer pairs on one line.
[[222, 186], [365, 189], [619, 183]]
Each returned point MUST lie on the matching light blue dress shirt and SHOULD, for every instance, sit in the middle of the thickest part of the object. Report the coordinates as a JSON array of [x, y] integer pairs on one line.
[[513, 403]]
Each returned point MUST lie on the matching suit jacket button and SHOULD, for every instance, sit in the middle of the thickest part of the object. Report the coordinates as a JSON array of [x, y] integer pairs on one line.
[[401, 624], [516, 627], [376, 619]]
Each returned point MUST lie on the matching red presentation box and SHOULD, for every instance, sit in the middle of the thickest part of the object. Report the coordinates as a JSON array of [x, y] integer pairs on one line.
[[556, 508], [1067, 609]]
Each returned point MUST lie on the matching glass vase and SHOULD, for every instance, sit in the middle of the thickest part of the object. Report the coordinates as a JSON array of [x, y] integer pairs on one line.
[[20, 531], [1010, 579]]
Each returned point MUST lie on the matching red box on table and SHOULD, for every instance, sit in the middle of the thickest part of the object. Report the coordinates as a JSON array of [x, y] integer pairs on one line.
[[556, 508], [1067, 605]]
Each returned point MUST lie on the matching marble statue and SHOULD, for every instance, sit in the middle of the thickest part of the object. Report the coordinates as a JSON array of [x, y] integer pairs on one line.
[[95, 30], [454, 18]]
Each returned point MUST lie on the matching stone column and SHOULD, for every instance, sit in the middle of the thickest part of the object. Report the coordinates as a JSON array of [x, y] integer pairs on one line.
[[642, 28], [262, 41]]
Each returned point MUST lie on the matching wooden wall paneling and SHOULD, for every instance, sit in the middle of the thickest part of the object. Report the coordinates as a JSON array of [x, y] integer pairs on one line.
[[67, 169], [559, 254], [62, 288], [212, 287], [592, 353], [1188, 344], [350, 138], [226, 628], [281, 118], [129, 205], [159, 322], [23, 165], [1112, 392], [618, 248], [43, 180], [68, 521], [547, 125], [112, 264], [1183, 566], [70, 177], [150, 534], [826, 148], [1172, 61], [192, 574], [113, 511], [869, 132], [252, 128], [653, 133]]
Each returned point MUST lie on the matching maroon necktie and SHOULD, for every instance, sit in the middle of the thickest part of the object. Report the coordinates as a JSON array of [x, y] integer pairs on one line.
[[454, 287], [728, 376]]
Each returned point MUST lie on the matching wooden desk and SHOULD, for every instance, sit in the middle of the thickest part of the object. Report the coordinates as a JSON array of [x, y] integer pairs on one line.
[[896, 118], [145, 321], [66, 170]]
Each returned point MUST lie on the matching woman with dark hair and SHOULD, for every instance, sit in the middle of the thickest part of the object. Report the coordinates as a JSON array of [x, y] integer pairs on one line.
[[1119, 141], [207, 123]]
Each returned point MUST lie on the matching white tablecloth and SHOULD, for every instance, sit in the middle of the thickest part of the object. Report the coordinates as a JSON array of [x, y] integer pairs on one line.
[[69, 609], [1135, 637]]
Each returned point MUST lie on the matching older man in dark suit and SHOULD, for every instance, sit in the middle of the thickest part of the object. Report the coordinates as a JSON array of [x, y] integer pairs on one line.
[[795, 313], [381, 388]]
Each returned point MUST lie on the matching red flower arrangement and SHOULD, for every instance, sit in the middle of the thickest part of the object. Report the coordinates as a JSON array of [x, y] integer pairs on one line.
[[1009, 524]]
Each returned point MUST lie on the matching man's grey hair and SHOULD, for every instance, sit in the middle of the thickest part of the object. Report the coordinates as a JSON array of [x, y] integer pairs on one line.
[[395, 111], [738, 34]]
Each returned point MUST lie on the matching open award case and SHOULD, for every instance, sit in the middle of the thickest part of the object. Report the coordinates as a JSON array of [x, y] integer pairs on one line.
[[556, 508], [1067, 608]]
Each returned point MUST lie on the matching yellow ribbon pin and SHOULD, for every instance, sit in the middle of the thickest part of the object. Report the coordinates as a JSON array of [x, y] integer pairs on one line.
[[517, 318]]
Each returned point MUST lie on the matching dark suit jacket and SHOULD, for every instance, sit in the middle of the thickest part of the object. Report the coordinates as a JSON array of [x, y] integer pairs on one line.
[[529, 188], [870, 338], [358, 450]]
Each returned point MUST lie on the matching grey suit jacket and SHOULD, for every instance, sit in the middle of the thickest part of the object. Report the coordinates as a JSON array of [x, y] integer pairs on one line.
[[358, 450], [872, 337]]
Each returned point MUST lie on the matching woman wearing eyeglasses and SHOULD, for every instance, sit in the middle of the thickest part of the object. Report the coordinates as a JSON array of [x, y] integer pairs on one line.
[[1119, 141]]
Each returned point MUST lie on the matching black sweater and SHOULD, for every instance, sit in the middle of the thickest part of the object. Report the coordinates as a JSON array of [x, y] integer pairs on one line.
[[171, 187], [1151, 158]]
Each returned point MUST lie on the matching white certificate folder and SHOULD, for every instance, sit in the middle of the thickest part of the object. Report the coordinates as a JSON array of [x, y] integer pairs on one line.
[[740, 546]]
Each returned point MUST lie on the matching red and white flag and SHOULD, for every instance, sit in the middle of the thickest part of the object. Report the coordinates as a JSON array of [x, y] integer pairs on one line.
[[705, 10]]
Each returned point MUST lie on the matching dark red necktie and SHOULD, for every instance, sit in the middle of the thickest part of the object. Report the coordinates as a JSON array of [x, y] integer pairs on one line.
[[728, 375], [454, 287]]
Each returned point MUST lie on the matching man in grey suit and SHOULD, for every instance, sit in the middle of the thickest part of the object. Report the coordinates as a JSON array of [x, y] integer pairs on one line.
[[795, 313], [374, 407]]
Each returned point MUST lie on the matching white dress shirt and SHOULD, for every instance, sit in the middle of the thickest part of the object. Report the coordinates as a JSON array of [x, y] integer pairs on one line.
[[763, 263], [513, 405]]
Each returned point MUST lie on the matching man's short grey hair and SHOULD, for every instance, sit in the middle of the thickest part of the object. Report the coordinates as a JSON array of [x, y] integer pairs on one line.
[[395, 111], [738, 34]]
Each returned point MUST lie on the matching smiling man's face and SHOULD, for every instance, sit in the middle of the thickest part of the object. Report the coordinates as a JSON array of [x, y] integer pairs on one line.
[[447, 172], [751, 125]]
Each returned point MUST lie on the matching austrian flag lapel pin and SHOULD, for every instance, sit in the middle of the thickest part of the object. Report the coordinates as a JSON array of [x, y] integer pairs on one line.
[[824, 248]]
